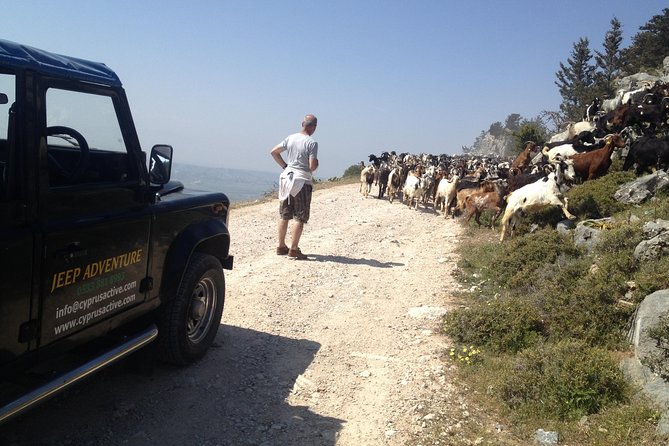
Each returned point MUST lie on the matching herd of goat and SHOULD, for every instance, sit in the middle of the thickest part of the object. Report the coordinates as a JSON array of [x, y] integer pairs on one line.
[[634, 125]]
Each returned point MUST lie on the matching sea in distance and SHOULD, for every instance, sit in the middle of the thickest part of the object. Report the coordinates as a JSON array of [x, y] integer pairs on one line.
[[238, 184]]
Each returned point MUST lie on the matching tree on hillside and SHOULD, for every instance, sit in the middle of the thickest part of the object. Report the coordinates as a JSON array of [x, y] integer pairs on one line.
[[649, 46], [610, 61], [496, 129], [512, 122], [352, 171], [575, 81], [552, 121], [528, 131]]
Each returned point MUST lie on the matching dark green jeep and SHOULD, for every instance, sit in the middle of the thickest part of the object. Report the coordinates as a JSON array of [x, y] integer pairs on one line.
[[101, 252]]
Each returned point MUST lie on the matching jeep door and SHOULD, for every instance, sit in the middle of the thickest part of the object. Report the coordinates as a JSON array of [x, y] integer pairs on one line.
[[94, 221], [16, 236]]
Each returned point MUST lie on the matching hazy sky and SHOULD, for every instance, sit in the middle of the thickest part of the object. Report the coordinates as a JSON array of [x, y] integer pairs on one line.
[[224, 81]]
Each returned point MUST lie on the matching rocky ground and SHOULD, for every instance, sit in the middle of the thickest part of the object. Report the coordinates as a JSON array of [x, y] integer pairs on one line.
[[343, 348]]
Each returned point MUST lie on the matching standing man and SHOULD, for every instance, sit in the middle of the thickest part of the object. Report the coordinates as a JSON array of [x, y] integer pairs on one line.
[[295, 184]]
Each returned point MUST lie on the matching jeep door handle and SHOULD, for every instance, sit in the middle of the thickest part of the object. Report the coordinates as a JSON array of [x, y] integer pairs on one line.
[[73, 251]]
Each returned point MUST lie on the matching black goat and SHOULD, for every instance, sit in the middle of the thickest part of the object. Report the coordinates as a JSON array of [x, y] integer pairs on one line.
[[647, 152]]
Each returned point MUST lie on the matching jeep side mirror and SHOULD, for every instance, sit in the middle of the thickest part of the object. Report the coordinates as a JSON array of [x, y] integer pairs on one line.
[[3, 99], [160, 164]]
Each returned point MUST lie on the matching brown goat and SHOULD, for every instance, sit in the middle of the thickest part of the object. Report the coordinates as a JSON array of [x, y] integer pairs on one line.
[[524, 158], [481, 201], [591, 165], [466, 189]]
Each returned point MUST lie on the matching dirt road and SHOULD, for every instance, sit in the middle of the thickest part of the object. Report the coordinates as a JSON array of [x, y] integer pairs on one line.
[[341, 349]]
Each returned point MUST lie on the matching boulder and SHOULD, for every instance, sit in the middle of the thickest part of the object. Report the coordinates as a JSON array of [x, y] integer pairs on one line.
[[564, 226], [656, 227], [654, 387], [637, 80], [587, 232], [653, 248], [648, 315], [639, 190]]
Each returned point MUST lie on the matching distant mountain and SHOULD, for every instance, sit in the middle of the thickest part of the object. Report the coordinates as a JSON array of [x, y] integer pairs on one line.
[[487, 144]]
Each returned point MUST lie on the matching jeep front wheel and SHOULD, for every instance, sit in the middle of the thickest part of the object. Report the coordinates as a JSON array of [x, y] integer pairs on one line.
[[189, 319]]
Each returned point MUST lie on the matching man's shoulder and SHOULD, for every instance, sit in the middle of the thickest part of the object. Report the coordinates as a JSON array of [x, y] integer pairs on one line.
[[301, 137]]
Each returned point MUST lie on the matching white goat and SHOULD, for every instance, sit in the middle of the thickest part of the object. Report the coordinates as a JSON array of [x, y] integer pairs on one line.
[[573, 129], [394, 183], [366, 180], [427, 184], [532, 197], [627, 97], [562, 152], [412, 190], [446, 194], [609, 105]]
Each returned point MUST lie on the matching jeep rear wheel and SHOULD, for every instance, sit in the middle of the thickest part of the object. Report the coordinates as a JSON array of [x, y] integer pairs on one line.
[[189, 319]]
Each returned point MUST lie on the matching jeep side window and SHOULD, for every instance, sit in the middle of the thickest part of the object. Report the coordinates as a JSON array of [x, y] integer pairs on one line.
[[7, 98], [84, 139]]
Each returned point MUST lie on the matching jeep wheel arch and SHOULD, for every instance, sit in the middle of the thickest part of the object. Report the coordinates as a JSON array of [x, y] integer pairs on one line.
[[209, 237]]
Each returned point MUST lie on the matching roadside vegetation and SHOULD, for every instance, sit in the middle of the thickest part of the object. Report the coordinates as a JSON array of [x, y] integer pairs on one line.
[[545, 323]]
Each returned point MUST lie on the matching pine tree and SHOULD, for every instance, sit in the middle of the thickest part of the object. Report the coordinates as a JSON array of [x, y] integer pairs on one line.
[[496, 129], [650, 46], [609, 62], [512, 122], [575, 81]]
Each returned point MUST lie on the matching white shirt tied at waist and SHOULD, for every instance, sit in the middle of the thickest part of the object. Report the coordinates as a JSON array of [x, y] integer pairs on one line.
[[291, 182]]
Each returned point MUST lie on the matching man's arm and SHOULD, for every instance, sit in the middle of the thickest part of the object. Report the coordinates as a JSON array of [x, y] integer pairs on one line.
[[313, 164], [276, 154]]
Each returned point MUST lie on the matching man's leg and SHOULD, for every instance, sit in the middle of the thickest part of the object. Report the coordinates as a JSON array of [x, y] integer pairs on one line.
[[296, 234], [282, 230]]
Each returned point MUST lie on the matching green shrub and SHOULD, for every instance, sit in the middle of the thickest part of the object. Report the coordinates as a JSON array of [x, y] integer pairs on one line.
[[562, 381], [620, 238], [627, 424], [652, 276], [594, 198], [499, 325], [353, 171], [582, 304], [517, 258]]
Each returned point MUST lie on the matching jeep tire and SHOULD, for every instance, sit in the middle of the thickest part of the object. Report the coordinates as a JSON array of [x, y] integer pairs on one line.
[[190, 318]]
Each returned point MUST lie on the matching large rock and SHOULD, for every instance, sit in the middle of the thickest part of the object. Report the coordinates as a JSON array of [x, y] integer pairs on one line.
[[648, 315], [656, 243], [587, 232], [639, 190], [637, 80], [655, 388], [656, 227]]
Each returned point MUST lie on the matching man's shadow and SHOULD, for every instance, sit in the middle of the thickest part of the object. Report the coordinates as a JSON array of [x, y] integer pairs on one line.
[[353, 261]]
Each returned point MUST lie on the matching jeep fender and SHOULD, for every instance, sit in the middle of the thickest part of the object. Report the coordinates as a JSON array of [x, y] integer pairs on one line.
[[209, 237]]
